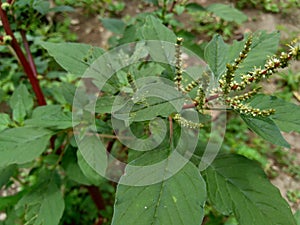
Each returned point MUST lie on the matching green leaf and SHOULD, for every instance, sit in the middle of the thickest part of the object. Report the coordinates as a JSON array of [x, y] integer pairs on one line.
[[215, 54], [73, 57], [50, 116], [105, 104], [42, 6], [286, 114], [6, 173], [297, 217], [22, 144], [150, 101], [237, 184], [44, 204], [153, 29], [116, 26], [93, 153], [71, 168], [227, 13], [4, 121], [162, 50], [178, 200], [21, 103], [194, 7], [61, 8], [265, 128], [92, 176]]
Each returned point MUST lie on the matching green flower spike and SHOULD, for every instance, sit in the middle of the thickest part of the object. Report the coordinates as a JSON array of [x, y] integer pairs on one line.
[[178, 65], [186, 123]]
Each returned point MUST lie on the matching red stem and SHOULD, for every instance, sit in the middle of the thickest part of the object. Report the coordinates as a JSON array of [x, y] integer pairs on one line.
[[192, 105], [26, 66], [173, 6], [29, 55], [98, 200]]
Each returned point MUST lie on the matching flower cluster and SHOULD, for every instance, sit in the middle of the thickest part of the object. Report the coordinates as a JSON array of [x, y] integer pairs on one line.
[[178, 65], [131, 81], [236, 103], [228, 84], [5, 39], [248, 110], [186, 123], [271, 66], [200, 99], [5, 6], [227, 80], [191, 86]]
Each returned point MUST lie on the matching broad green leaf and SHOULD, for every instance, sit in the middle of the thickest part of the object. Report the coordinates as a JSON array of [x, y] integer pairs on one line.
[[93, 153], [162, 50], [194, 7], [297, 217], [153, 29], [42, 6], [286, 114], [116, 26], [227, 13], [265, 128], [22, 144], [21, 103], [263, 46], [215, 54], [237, 184], [92, 176], [131, 33], [73, 57], [61, 8], [151, 101], [50, 116], [44, 204], [71, 168], [105, 104], [6, 173], [4, 121], [178, 200]]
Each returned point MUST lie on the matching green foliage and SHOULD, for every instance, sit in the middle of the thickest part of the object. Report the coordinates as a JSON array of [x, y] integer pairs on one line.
[[169, 202], [22, 144], [227, 13], [269, 5], [59, 170], [228, 190], [44, 203]]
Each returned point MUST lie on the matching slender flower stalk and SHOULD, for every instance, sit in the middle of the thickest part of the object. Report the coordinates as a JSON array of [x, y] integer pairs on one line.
[[178, 65]]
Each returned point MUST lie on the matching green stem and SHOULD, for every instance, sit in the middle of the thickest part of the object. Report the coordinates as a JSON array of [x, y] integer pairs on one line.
[[164, 11]]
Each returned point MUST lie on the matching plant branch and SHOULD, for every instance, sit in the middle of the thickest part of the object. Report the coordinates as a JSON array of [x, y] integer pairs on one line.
[[97, 199], [26, 66], [173, 6], [29, 55]]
